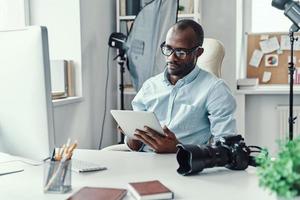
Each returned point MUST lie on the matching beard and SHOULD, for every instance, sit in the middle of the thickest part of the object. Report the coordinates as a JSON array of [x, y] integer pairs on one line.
[[181, 70]]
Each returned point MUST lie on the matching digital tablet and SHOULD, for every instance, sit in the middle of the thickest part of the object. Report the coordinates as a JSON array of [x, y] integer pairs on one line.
[[130, 120]]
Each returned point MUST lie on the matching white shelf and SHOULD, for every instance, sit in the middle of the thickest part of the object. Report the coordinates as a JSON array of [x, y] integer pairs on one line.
[[189, 15], [129, 91], [269, 89], [128, 17], [68, 100]]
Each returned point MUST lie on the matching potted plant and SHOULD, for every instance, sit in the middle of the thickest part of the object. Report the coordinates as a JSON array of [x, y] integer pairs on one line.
[[180, 9], [281, 175]]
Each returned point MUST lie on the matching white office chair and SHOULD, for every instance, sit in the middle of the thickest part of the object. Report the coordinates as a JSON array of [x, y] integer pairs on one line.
[[211, 61], [212, 57], [116, 147]]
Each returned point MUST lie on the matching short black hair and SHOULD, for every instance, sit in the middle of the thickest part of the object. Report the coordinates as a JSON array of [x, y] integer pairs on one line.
[[188, 23]]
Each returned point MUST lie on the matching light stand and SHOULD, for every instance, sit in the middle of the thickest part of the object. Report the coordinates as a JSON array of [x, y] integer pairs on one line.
[[121, 59], [117, 40], [292, 11], [292, 119]]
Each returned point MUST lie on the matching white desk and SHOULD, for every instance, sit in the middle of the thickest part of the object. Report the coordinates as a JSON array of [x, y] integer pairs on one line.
[[124, 167]]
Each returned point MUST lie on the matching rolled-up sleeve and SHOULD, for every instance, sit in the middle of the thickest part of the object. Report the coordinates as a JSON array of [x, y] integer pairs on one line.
[[221, 106]]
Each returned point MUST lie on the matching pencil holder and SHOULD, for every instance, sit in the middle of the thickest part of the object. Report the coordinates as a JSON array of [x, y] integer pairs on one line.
[[57, 176]]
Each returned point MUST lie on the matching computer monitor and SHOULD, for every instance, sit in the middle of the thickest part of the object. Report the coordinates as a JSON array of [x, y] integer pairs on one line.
[[26, 114]]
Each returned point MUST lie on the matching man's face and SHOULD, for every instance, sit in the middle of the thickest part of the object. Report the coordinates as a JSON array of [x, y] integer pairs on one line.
[[182, 40]]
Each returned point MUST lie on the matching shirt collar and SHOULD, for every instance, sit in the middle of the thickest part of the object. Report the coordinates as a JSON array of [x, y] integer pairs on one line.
[[187, 79]]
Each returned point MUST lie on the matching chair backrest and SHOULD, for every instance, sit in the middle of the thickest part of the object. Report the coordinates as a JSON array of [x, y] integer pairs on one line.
[[212, 57]]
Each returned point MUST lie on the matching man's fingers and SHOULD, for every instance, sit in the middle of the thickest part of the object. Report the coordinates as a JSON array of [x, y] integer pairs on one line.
[[141, 135], [139, 131], [144, 141], [152, 133], [144, 135], [160, 144], [168, 133]]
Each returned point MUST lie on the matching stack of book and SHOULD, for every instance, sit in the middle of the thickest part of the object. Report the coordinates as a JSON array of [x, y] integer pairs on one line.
[[150, 190], [97, 193], [247, 83], [62, 84]]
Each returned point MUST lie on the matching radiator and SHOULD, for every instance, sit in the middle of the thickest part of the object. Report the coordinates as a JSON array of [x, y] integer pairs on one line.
[[283, 112]]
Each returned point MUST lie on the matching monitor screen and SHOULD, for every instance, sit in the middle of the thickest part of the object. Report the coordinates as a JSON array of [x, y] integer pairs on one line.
[[26, 114]]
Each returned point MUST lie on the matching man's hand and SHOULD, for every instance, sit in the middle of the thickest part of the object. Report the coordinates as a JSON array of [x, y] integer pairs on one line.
[[160, 143], [133, 144]]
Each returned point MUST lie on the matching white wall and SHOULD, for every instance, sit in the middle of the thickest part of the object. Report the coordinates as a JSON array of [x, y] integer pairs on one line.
[[62, 19], [98, 21], [79, 31], [262, 119], [219, 21]]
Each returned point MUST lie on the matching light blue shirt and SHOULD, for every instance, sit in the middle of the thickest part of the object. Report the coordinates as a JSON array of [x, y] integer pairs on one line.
[[195, 108]]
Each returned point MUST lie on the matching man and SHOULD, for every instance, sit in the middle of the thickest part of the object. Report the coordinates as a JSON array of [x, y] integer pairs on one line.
[[192, 104]]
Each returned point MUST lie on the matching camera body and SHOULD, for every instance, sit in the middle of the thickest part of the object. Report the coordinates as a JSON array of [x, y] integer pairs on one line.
[[239, 152], [230, 151]]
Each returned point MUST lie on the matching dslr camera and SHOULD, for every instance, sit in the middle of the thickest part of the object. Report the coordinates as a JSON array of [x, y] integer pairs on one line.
[[230, 152]]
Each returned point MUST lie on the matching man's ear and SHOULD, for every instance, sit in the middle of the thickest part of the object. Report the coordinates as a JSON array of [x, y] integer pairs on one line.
[[199, 52]]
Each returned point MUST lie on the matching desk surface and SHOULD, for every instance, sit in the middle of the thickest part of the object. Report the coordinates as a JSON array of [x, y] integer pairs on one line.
[[124, 167]]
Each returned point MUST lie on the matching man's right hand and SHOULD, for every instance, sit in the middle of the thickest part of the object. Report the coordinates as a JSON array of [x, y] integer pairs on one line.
[[133, 144], [159, 143]]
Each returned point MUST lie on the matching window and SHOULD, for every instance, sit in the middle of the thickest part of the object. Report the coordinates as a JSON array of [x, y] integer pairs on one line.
[[256, 16], [13, 13], [263, 17]]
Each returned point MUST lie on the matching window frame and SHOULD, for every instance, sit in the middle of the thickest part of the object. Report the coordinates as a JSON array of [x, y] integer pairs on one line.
[[21, 18]]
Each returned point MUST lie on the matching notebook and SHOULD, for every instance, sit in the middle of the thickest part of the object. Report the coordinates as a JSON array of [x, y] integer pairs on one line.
[[95, 193], [150, 190]]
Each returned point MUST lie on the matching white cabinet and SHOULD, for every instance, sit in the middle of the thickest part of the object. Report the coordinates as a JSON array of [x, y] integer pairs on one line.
[[187, 9]]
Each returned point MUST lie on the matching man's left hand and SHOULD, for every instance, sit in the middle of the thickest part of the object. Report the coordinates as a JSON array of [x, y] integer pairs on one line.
[[160, 143]]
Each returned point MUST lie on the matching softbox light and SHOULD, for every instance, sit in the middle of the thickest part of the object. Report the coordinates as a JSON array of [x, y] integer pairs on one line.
[[147, 33]]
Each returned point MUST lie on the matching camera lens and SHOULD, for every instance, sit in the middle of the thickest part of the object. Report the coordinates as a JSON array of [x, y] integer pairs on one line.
[[193, 159]]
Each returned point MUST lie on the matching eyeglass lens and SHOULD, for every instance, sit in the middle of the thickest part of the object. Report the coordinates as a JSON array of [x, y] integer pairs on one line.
[[167, 51]]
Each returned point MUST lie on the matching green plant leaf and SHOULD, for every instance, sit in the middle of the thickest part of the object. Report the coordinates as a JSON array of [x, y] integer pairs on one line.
[[282, 174]]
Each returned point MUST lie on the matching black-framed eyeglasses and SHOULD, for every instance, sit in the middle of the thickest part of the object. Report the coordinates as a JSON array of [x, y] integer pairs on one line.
[[179, 53]]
